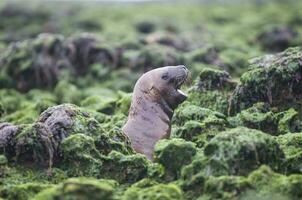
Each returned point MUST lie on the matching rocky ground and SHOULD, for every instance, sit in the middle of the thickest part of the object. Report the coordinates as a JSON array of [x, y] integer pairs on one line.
[[66, 77]]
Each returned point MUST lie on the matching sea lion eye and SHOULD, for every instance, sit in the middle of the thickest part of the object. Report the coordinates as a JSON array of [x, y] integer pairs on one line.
[[165, 76]]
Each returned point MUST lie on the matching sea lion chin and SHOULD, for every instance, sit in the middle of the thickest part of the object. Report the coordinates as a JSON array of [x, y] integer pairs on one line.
[[155, 96]]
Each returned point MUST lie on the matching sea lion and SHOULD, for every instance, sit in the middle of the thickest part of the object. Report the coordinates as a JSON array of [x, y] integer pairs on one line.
[[155, 96]]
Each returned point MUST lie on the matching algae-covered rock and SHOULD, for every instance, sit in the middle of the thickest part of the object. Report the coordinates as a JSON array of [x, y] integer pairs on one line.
[[212, 90], [289, 121], [85, 49], [235, 152], [3, 166], [124, 168], [11, 101], [153, 56], [291, 144], [231, 59], [109, 105], [15, 16], [190, 131], [173, 154], [225, 187], [66, 92], [115, 139], [29, 112], [192, 112], [80, 156], [156, 192], [197, 124], [262, 117], [145, 26], [39, 142], [268, 183], [34, 63], [213, 79], [259, 116], [241, 150], [274, 79], [277, 38], [167, 39], [206, 55], [42, 61], [80, 188], [23, 191], [7, 133]]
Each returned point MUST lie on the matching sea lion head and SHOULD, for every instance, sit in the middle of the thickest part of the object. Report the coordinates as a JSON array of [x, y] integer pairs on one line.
[[164, 84]]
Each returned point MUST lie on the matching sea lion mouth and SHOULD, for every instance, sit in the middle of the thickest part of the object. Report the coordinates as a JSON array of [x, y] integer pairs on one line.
[[179, 82]]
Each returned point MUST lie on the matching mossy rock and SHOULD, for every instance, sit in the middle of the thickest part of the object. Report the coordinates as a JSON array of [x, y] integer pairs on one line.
[[235, 60], [3, 166], [262, 117], [145, 26], [289, 122], [124, 168], [11, 101], [23, 191], [29, 112], [38, 143], [173, 154], [27, 65], [114, 139], [205, 55], [80, 156], [214, 79], [274, 79], [153, 56], [66, 92], [3, 160], [197, 124], [241, 150], [268, 183], [212, 90], [156, 192], [167, 39], [80, 188], [237, 151], [277, 38], [291, 145], [108, 105], [191, 131], [193, 112], [225, 187]]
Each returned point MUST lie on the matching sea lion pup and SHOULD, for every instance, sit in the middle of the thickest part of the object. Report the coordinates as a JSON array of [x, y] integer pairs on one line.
[[155, 96]]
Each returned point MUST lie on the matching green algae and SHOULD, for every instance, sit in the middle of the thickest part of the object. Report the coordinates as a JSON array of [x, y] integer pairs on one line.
[[291, 145], [212, 90], [267, 182], [80, 156], [23, 191], [240, 150], [173, 155], [262, 117], [124, 168], [156, 192], [198, 124], [80, 188], [225, 187], [272, 79]]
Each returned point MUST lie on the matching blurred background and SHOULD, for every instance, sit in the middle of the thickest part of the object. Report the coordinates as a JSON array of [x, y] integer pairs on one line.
[[68, 51]]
